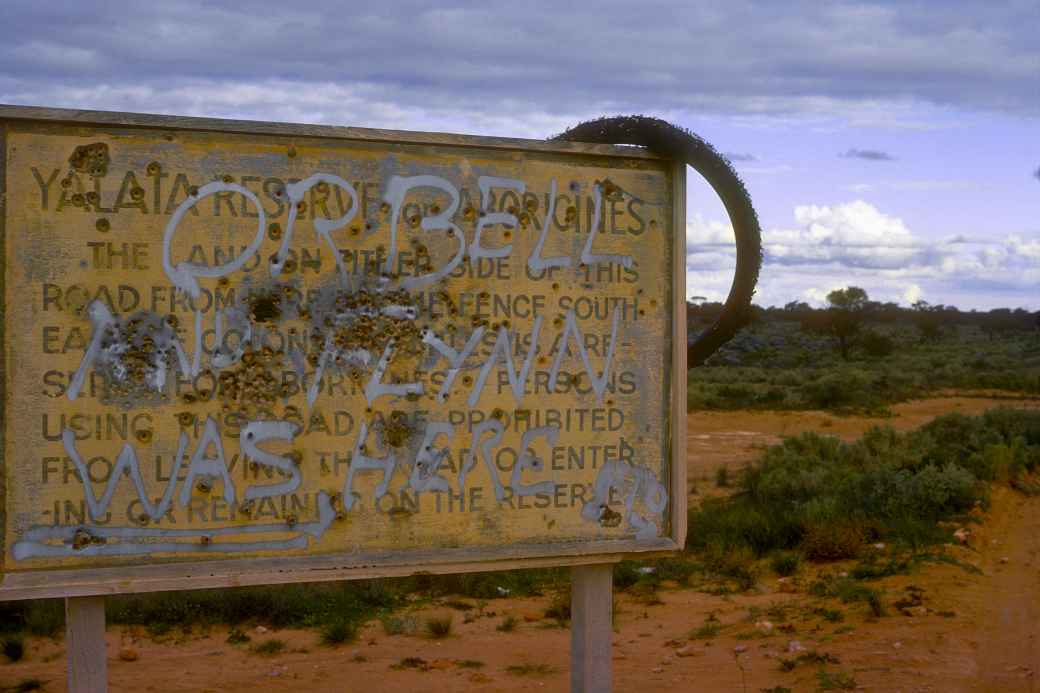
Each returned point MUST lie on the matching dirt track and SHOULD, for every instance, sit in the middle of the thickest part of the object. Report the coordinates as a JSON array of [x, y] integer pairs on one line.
[[979, 632]]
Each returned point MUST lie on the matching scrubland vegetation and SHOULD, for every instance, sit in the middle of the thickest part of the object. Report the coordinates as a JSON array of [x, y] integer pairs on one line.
[[862, 359]]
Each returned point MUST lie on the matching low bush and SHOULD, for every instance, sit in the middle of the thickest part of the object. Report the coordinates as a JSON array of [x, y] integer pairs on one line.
[[785, 563], [825, 498]]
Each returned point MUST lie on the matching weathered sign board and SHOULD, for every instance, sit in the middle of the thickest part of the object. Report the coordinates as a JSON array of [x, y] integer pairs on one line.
[[241, 353]]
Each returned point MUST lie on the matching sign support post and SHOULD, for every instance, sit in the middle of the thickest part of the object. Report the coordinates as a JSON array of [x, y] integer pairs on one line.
[[592, 603], [86, 654]]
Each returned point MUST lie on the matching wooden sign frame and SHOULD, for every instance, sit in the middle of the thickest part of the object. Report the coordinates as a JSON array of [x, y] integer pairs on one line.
[[228, 572]]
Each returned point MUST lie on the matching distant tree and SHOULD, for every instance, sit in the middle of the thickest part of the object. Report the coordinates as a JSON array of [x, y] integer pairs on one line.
[[928, 320], [848, 308]]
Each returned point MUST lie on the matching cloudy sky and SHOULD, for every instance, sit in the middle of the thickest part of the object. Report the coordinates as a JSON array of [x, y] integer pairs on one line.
[[892, 145]]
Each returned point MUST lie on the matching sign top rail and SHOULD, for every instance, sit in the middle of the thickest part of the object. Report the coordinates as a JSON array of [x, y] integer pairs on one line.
[[86, 118]]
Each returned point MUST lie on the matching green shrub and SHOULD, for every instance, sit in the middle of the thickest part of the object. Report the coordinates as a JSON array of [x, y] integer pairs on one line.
[[785, 563], [876, 345], [269, 648], [438, 627], [338, 632]]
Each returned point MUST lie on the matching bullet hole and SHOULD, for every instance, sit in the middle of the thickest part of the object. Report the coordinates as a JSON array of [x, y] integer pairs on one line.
[[384, 207], [137, 193], [83, 538], [301, 207], [90, 158], [203, 486], [556, 286], [145, 436], [92, 197], [77, 200], [102, 225], [265, 307], [609, 518], [185, 418], [193, 191], [274, 231], [66, 182], [291, 152], [205, 540], [153, 168]]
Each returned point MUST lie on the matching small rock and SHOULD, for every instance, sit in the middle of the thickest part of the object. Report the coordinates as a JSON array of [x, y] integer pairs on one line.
[[532, 616], [129, 654], [658, 670], [961, 535], [916, 611], [261, 630], [687, 651], [477, 677], [764, 627], [786, 585], [843, 573], [794, 646], [880, 546], [740, 649], [619, 655], [1004, 559], [898, 645]]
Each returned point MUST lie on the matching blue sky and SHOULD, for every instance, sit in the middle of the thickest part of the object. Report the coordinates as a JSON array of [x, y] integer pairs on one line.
[[891, 145]]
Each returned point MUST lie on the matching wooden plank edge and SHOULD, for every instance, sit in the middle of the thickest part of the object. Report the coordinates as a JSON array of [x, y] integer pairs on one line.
[[4, 401], [75, 117], [269, 571], [679, 365]]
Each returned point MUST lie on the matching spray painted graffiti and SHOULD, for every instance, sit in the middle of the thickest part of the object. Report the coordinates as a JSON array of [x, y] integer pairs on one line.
[[381, 330]]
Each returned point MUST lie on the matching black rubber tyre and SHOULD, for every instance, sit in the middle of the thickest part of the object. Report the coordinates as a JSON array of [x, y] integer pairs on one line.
[[673, 142]]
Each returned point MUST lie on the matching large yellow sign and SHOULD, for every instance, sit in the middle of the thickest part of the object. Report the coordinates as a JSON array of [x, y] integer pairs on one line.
[[238, 349]]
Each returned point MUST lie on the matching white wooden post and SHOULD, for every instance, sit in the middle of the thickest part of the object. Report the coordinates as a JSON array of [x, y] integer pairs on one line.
[[85, 651], [592, 600]]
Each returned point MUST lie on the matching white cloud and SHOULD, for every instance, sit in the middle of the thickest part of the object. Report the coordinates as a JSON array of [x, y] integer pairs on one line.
[[855, 243]]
